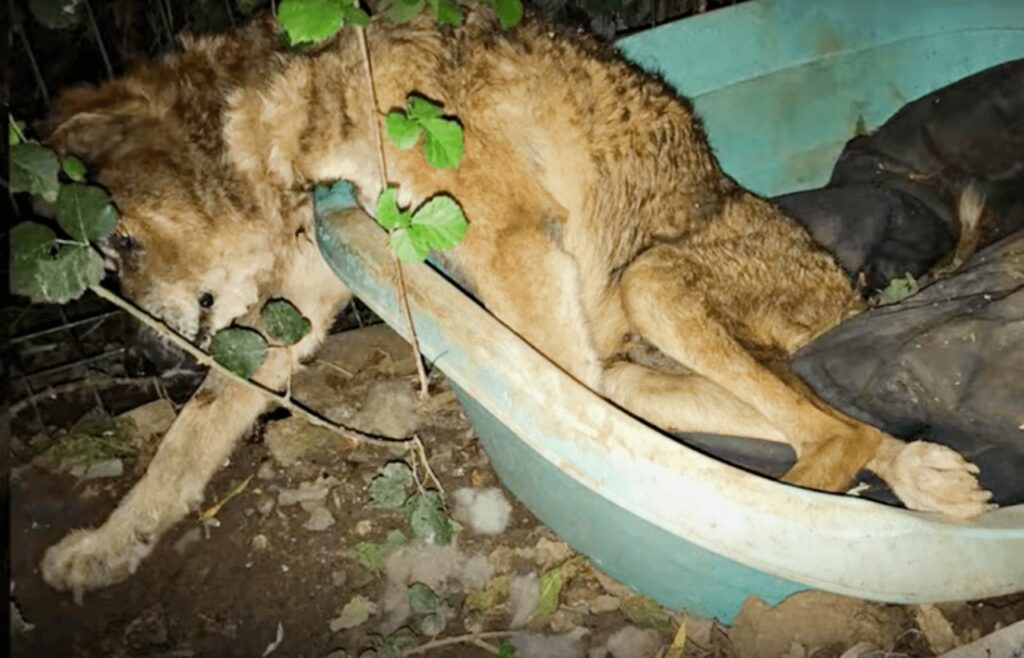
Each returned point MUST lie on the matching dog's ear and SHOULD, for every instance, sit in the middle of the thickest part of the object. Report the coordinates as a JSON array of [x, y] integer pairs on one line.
[[93, 122]]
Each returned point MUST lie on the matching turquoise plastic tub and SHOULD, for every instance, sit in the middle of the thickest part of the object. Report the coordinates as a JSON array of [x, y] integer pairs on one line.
[[781, 85]]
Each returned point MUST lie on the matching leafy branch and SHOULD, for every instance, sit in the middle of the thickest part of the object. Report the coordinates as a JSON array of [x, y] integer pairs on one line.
[[439, 223], [51, 269], [354, 436]]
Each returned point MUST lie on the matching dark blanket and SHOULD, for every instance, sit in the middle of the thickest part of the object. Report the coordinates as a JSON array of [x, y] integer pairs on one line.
[[948, 363]]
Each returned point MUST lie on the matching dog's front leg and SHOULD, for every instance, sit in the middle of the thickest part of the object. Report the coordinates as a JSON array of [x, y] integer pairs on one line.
[[198, 443]]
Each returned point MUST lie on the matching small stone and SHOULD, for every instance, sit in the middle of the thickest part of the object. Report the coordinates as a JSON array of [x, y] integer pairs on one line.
[[266, 471], [550, 553], [307, 492], [292, 439], [604, 603], [563, 621], [265, 505], [632, 642], [363, 527], [319, 520], [259, 542], [698, 630], [355, 613], [389, 409], [109, 468]]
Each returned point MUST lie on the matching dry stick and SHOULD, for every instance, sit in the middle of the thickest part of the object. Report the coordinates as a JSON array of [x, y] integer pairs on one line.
[[422, 452], [166, 21], [231, 12], [19, 28], [205, 359], [469, 638], [99, 38], [403, 297]]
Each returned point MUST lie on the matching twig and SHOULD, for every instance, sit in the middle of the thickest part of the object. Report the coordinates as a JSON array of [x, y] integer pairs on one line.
[[166, 21], [51, 392], [382, 166], [422, 453], [99, 38], [231, 12], [403, 297], [205, 359], [335, 366], [476, 639], [40, 82]]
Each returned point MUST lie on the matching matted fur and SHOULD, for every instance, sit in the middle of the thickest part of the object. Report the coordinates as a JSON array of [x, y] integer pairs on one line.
[[602, 231]]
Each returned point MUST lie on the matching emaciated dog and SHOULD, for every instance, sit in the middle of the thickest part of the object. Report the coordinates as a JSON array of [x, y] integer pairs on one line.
[[602, 230]]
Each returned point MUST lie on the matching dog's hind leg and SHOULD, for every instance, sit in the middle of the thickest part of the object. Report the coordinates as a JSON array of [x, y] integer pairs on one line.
[[670, 314], [684, 402]]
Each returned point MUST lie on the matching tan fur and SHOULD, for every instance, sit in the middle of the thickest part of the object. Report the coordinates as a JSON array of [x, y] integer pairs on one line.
[[189, 226], [602, 231], [582, 174]]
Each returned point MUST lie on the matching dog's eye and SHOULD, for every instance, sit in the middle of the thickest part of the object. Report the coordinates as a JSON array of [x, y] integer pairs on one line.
[[206, 300]]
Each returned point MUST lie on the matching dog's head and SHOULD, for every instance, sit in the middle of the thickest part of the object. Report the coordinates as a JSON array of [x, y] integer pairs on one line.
[[192, 245]]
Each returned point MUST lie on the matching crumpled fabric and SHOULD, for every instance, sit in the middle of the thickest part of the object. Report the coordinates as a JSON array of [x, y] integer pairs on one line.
[[946, 364]]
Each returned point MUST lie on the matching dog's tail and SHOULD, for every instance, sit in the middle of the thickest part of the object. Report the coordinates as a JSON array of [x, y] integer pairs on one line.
[[970, 212]]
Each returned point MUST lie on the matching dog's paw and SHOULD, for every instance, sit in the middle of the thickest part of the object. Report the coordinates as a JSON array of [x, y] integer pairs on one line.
[[933, 478], [90, 559]]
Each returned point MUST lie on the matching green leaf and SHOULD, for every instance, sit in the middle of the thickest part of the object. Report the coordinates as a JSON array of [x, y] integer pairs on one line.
[[34, 170], [899, 289], [506, 650], [44, 270], [441, 222], [403, 11], [74, 168], [388, 215], [397, 644], [353, 15], [551, 585], [283, 321], [30, 244], [372, 554], [645, 613], [442, 144], [238, 349], [85, 212], [420, 109], [510, 12], [14, 131], [387, 490], [409, 244], [434, 611], [423, 600], [427, 518], [402, 131], [310, 21], [446, 12]]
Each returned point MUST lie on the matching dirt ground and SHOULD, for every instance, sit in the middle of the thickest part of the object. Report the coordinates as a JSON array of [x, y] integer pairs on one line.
[[308, 557]]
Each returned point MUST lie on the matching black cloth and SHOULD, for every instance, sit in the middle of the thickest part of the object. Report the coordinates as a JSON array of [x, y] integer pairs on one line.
[[948, 363]]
